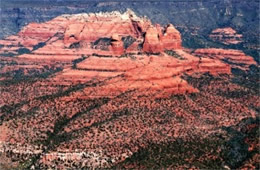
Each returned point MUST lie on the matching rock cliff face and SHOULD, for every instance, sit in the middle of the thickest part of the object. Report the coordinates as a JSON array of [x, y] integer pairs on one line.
[[152, 42], [156, 41], [117, 45], [171, 38], [195, 20], [82, 30], [91, 27], [94, 26]]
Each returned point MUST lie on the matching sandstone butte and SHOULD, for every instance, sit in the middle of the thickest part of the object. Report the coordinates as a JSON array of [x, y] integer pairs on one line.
[[132, 50], [126, 53]]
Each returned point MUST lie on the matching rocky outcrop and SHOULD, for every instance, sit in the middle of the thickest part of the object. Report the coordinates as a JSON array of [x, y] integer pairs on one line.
[[226, 36], [73, 33], [141, 72], [155, 41], [76, 34], [152, 42], [117, 45], [94, 45], [171, 38], [90, 27], [235, 58]]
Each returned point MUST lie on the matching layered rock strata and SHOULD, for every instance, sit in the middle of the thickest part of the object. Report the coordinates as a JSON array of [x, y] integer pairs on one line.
[[235, 58], [94, 46], [226, 36]]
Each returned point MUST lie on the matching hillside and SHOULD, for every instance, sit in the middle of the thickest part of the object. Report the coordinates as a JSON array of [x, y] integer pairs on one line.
[[119, 90]]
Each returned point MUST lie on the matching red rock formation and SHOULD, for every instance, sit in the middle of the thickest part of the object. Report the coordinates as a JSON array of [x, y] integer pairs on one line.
[[226, 36], [144, 77], [117, 46], [129, 100], [152, 43], [236, 58], [67, 33], [156, 42], [133, 48], [72, 33], [171, 38], [159, 30], [90, 27], [139, 71]]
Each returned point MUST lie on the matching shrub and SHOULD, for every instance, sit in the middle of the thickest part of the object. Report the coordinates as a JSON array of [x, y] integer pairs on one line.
[[75, 62], [39, 45], [174, 54], [126, 55], [74, 45], [7, 54], [23, 51], [128, 40]]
